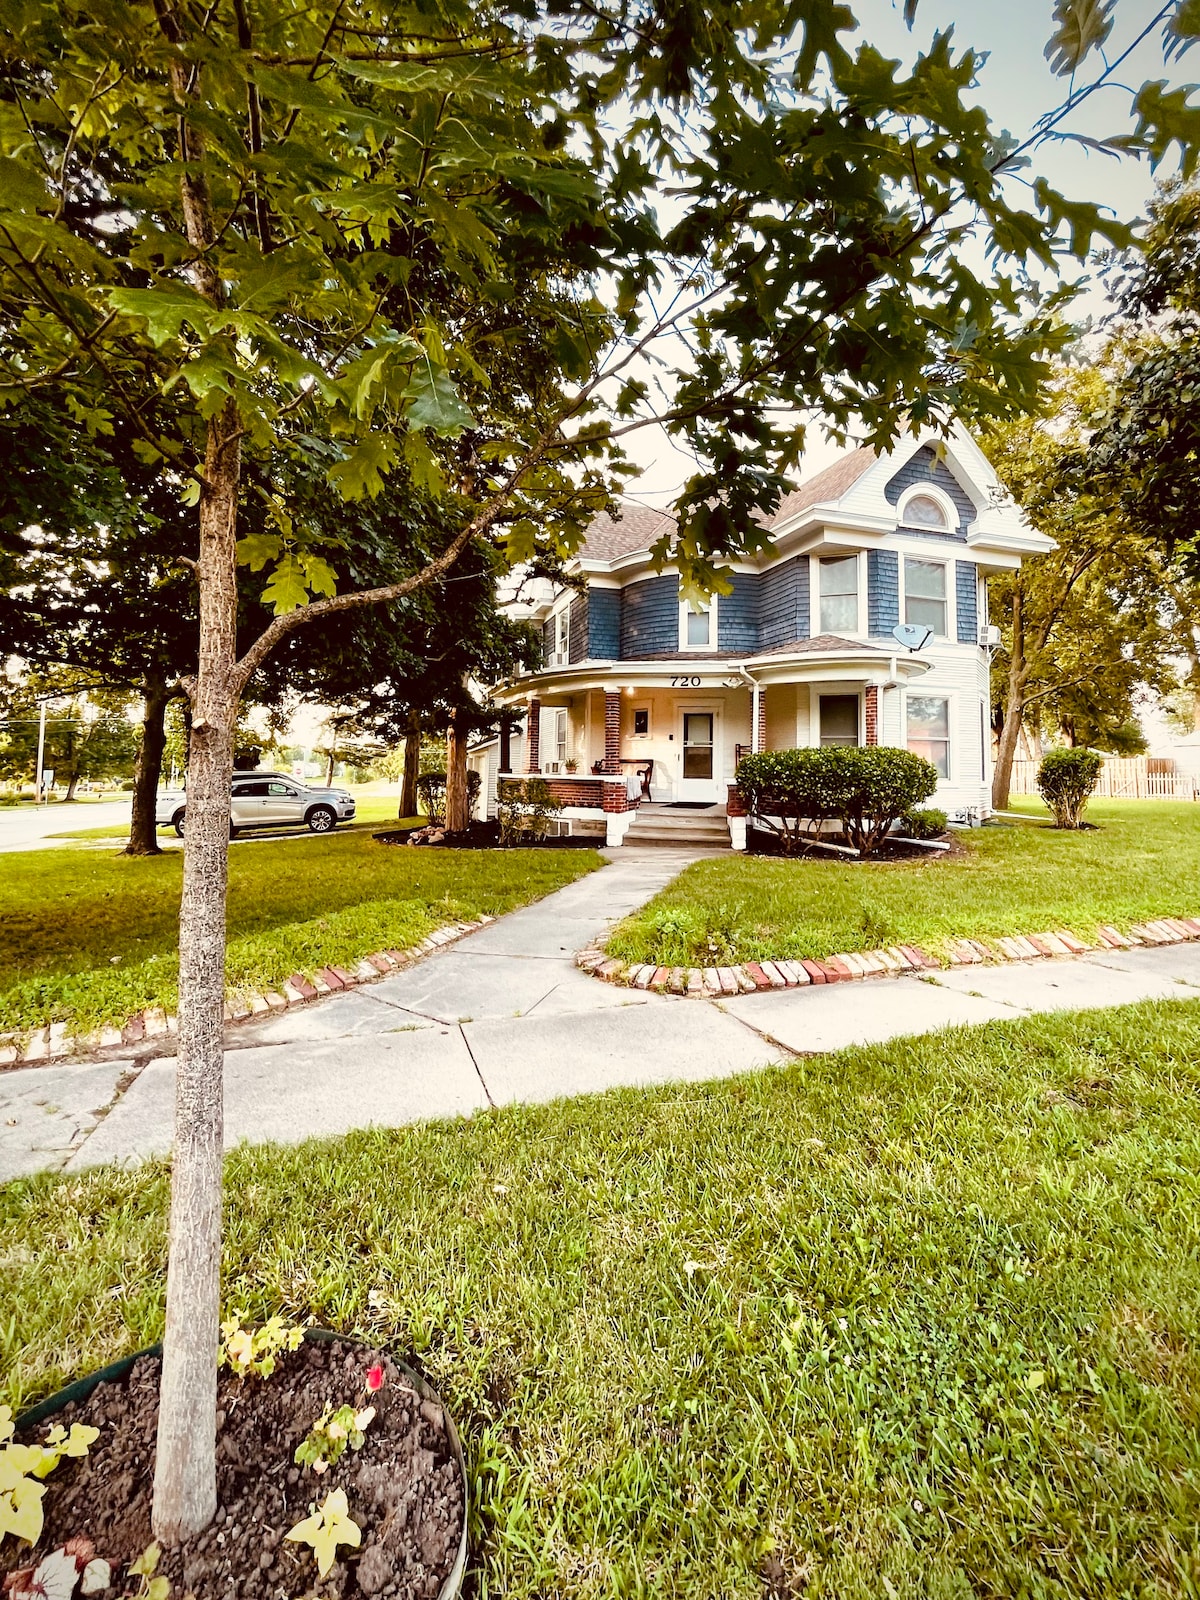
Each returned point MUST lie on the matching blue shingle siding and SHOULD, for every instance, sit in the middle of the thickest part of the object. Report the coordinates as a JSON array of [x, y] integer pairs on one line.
[[924, 467], [967, 591], [577, 630], [548, 640], [737, 614], [883, 592], [650, 617], [783, 603], [603, 624]]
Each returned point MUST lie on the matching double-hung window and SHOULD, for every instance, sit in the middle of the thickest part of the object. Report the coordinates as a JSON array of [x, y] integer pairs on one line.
[[839, 594], [698, 623], [925, 593], [562, 636], [929, 729]]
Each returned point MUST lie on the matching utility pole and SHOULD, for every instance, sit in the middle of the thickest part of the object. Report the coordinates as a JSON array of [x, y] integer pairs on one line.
[[41, 753]]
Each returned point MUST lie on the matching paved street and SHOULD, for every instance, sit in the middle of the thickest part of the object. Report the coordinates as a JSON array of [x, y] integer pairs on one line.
[[504, 1015], [30, 827]]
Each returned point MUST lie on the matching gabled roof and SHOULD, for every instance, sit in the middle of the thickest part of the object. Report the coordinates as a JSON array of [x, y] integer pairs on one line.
[[831, 484], [639, 527]]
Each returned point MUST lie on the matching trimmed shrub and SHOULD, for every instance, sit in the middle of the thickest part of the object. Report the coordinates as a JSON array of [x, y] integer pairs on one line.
[[524, 809], [431, 789], [924, 823], [866, 790], [1066, 779]]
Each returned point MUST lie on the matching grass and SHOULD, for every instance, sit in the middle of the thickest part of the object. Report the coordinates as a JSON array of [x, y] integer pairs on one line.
[[1142, 860], [89, 938], [913, 1322]]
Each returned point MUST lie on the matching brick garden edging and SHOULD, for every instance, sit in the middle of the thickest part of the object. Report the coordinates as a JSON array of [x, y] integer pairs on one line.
[[845, 966], [52, 1042]]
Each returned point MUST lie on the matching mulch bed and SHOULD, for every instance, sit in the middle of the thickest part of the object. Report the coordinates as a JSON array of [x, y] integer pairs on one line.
[[404, 1485], [486, 836]]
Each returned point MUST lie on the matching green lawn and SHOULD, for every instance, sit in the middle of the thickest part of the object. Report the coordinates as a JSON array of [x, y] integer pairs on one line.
[[914, 1322], [1143, 860], [90, 937]]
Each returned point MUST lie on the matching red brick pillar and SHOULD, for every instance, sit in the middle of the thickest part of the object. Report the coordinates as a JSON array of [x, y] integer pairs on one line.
[[871, 709], [505, 747], [612, 730], [533, 736]]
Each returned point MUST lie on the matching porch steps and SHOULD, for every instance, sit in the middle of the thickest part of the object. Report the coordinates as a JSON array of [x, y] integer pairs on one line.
[[661, 826]]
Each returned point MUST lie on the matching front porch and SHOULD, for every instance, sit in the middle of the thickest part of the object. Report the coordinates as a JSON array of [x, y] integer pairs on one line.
[[610, 738]]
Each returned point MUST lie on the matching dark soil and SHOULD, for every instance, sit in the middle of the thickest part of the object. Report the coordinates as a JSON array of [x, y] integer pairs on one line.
[[404, 1486], [761, 842], [486, 836]]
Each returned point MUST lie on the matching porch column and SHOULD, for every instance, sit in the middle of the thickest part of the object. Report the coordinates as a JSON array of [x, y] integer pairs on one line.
[[871, 713], [533, 736], [612, 730], [505, 747], [758, 720]]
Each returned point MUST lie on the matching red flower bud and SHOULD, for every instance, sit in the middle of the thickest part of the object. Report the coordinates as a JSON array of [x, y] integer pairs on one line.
[[374, 1379]]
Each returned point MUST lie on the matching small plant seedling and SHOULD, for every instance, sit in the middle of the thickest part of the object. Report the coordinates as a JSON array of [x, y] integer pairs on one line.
[[328, 1438], [329, 1526], [22, 1466], [152, 1584], [251, 1352]]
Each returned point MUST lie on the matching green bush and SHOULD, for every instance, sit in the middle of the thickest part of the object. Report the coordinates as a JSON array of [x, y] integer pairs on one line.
[[923, 823], [524, 809], [431, 787], [865, 789], [1066, 779]]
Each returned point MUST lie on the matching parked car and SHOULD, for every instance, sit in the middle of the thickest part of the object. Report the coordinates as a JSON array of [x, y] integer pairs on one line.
[[267, 800]]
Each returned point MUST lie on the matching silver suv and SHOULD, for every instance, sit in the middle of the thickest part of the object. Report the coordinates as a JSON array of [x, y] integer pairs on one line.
[[267, 800]]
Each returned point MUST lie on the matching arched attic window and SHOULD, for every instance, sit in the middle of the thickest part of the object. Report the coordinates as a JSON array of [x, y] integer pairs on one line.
[[923, 511]]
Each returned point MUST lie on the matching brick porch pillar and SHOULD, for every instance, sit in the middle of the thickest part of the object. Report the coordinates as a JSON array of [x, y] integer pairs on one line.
[[871, 713], [533, 736], [505, 747], [612, 730]]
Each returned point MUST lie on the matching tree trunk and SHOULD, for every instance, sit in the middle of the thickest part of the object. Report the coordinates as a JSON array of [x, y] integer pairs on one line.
[[143, 833], [1014, 707], [458, 812], [332, 765], [72, 785], [412, 766], [185, 1479]]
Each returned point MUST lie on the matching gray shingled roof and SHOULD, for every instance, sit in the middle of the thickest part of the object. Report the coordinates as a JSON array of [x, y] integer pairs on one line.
[[823, 644], [638, 527]]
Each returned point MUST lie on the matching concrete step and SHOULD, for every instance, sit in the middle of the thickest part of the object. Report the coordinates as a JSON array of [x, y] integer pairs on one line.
[[677, 838]]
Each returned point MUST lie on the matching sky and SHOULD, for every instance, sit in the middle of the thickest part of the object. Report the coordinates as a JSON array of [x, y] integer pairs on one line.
[[1016, 86]]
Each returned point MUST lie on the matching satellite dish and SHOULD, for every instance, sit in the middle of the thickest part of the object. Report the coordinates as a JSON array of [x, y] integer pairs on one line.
[[912, 635]]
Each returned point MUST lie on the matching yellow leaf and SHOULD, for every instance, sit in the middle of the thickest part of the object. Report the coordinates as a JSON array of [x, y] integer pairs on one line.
[[6, 1423], [17, 1461], [21, 1511], [329, 1526], [81, 1439]]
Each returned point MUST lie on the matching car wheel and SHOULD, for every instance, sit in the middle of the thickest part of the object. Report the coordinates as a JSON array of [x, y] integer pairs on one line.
[[177, 821], [320, 819]]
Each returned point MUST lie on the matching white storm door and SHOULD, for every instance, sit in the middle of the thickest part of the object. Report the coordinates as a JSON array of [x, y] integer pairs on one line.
[[698, 753]]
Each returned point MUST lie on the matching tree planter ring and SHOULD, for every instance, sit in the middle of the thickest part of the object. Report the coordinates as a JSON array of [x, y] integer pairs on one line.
[[82, 1388]]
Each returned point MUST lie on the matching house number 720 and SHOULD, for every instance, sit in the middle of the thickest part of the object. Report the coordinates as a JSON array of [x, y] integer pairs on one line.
[[685, 683]]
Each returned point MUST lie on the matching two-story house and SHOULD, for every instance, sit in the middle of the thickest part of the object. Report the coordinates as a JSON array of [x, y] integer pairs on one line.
[[646, 698]]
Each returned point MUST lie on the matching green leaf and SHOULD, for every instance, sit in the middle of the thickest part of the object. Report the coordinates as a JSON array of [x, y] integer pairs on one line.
[[1082, 26], [287, 589], [165, 310], [433, 401], [21, 187], [190, 493], [362, 471], [256, 549]]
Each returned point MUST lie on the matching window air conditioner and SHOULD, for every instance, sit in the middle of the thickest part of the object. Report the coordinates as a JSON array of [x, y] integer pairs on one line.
[[989, 636]]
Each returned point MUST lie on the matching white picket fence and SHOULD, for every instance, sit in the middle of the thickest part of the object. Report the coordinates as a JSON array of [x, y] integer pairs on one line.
[[1124, 778]]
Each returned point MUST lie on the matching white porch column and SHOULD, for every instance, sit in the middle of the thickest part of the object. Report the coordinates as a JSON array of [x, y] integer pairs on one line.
[[756, 743]]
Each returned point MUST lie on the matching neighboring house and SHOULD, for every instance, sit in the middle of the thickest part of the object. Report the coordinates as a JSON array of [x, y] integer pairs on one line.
[[638, 684]]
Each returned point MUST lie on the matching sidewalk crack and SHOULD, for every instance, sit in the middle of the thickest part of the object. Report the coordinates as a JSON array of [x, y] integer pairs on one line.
[[475, 1064]]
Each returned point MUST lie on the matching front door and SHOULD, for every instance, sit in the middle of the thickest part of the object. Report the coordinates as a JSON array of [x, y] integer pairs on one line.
[[698, 780]]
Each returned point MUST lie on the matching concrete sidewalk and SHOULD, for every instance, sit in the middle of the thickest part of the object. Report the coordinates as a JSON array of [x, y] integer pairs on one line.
[[503, 1015]]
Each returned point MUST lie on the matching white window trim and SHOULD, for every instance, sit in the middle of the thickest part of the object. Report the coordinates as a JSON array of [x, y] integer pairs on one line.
[[947, 563], [814, 594], [952, 751], [561, 619], [931, 492], [713, 626]]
